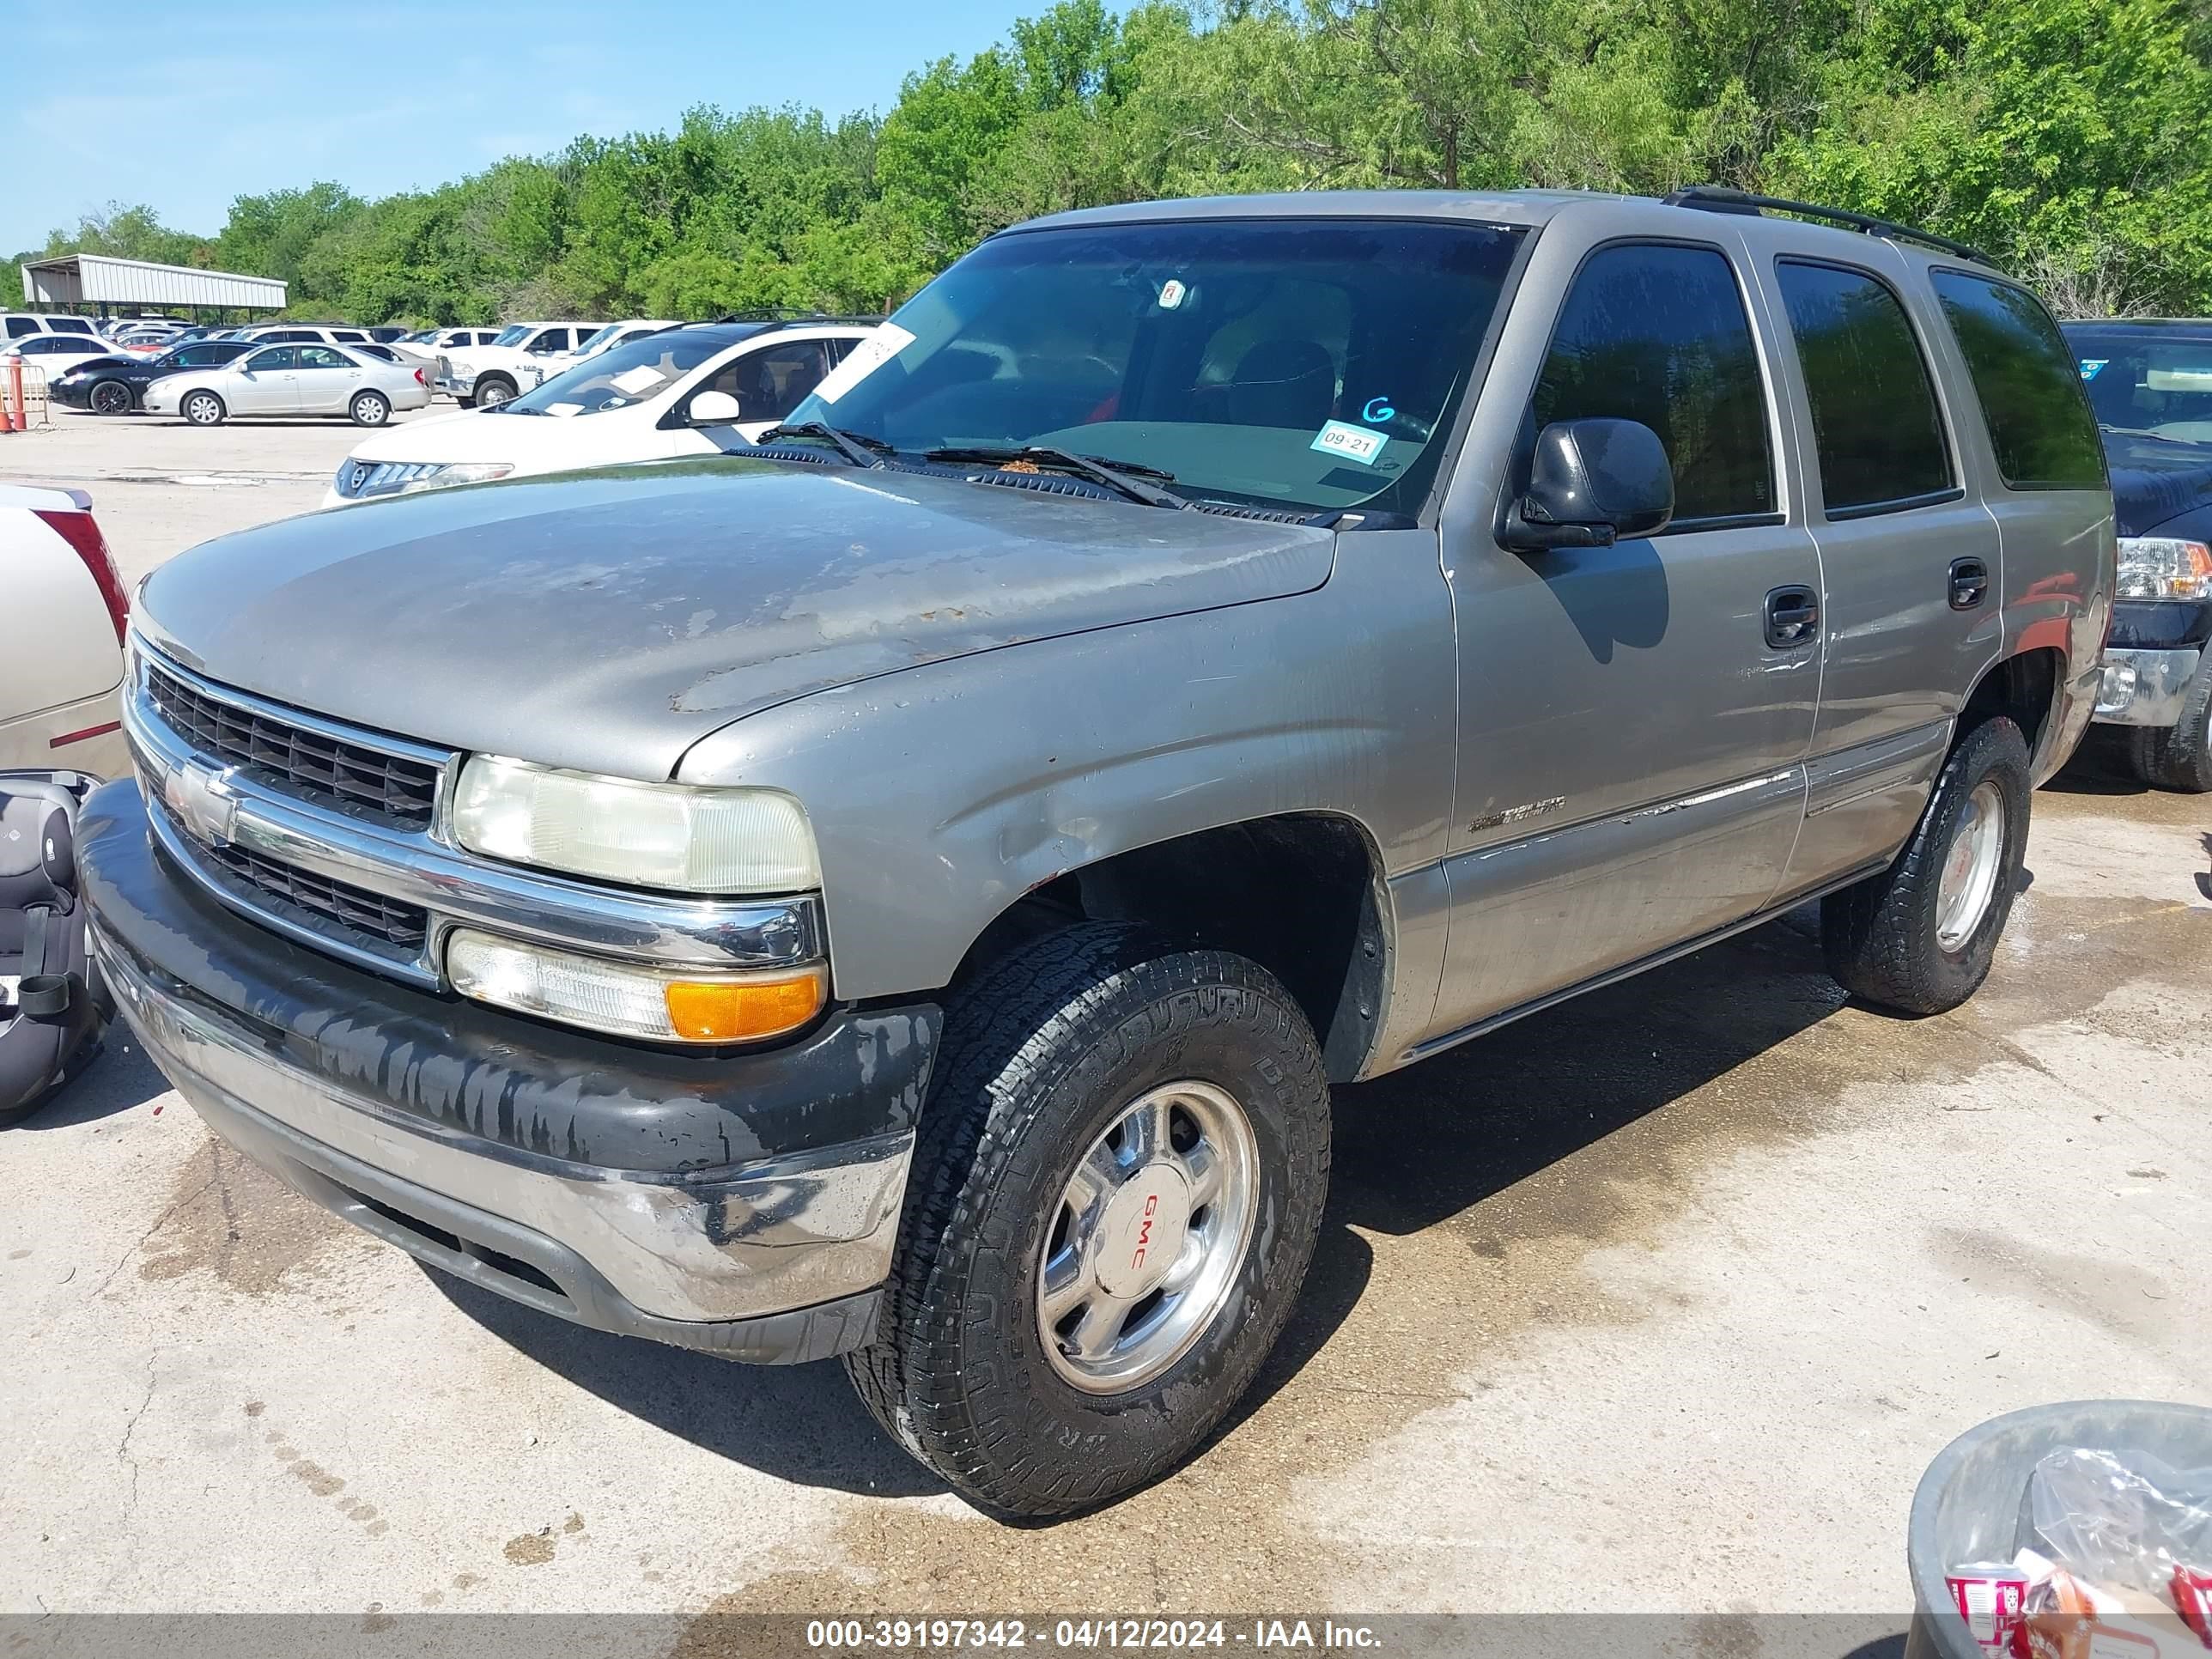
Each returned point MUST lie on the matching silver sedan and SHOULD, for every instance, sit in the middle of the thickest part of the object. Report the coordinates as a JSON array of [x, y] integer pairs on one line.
[[292, 381]]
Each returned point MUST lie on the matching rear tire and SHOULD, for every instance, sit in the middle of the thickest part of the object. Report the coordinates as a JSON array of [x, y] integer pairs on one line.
[[2179, 757], [1919, 937], [203, 408], [1093, 1063], [370, 409]]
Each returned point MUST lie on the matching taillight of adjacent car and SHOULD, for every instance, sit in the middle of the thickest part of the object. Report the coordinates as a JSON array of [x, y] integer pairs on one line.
[[79, 530]]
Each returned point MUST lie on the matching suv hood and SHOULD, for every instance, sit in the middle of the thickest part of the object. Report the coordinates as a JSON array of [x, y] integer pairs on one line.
[[607, 621]]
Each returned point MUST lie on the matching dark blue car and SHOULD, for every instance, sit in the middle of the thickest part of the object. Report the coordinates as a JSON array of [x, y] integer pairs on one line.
[[116, 385], [2151, 384]]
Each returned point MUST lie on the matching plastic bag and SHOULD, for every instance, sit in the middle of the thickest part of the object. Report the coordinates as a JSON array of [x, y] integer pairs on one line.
[[2123, 1519]]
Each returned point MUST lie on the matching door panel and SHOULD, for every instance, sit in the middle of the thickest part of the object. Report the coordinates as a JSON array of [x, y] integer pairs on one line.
[[1630, 763], [1893, 523]]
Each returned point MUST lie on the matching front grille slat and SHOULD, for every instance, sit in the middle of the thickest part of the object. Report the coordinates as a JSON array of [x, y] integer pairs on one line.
[[329, 770], [401, 927]]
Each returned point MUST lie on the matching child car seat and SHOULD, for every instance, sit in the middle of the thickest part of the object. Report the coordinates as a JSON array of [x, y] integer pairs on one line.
[[53, 1011]]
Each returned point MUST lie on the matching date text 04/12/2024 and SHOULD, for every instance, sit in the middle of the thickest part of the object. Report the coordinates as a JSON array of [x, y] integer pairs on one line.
[[945, 1635]]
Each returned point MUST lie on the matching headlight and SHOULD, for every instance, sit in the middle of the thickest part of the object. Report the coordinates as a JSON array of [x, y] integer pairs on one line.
[[2163, 567], [629, 1000], [405, 478], [668, 835]]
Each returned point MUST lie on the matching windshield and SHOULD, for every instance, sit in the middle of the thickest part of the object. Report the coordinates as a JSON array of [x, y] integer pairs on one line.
[[1315, 364], [2138, 382], [622, 375], [512, 334], [598, 340]]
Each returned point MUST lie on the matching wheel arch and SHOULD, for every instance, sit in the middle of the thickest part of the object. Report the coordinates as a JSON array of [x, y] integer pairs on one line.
[[2027, 687], [1302, 893]]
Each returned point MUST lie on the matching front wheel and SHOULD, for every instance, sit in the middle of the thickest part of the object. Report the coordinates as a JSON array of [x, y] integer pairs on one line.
[[370, 409], [203, 408], [2179, 757], [1920, 937], [1117, 1187], [490, 393], [111, 398]]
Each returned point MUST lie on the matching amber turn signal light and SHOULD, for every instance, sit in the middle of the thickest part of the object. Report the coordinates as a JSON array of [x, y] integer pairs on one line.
[[745, 1009]]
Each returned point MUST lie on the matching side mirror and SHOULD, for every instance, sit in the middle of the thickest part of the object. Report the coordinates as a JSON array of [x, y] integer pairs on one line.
[[714, 408], [1591, 484]]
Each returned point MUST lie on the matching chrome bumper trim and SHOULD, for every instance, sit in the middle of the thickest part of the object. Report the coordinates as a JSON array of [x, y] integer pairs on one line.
[[757, 1239], [456, 888], [2145, 688]]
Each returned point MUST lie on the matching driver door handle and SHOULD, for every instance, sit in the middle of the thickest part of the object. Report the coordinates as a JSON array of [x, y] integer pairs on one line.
[[1792, 618]]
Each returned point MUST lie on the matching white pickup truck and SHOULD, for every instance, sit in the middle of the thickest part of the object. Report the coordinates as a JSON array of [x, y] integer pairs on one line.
[[523, 355]]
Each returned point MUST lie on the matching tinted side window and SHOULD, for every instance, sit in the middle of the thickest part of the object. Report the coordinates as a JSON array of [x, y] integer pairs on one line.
[[2028, 382], [22, 326], [262, 361], [768, 384], [71, 326], [1658, 334], [1875, 427]]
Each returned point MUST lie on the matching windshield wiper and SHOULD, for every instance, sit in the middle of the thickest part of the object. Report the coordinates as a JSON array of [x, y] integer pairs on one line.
[[856, 446], [1128, 477]]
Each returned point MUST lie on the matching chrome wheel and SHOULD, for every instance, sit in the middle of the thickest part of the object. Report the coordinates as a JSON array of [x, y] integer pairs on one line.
[[1970, 868], [203, 409], [1148, 1238]]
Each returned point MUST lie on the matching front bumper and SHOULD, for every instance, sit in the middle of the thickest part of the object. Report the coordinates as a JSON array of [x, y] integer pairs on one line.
[[2145, 687], [558, 1169]]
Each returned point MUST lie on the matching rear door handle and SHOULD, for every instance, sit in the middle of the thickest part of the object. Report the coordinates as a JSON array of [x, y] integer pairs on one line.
[[1793, 616], [1970, 583]]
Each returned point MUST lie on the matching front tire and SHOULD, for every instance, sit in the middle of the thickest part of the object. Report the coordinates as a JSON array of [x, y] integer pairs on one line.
[[1919, 937], [491, 392], [111, 398], [1116, 1190], [203, 408], [370, 409], [2179, 757]]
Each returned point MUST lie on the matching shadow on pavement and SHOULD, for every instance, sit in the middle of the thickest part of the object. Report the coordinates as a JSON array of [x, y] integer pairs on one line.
[[798, 1423], [1424, 1145]]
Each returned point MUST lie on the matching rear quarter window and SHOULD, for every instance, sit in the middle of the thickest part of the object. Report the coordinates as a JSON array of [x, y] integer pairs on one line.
[[2027, 381]]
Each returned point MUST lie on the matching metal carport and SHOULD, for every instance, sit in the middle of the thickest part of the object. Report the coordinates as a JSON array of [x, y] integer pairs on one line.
[[101, 282]]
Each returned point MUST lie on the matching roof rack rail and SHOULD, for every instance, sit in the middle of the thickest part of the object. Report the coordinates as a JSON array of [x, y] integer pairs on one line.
[[1718, 199]]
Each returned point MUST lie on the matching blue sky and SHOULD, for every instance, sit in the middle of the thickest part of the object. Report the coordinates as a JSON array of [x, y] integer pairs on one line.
[[186, 107]]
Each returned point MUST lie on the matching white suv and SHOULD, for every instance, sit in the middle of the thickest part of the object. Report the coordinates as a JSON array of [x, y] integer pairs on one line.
[[704, 389], [14, 325], [514, 361]]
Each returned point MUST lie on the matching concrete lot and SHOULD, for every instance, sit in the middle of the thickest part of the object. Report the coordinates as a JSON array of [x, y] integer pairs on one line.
[[1661, 1301]]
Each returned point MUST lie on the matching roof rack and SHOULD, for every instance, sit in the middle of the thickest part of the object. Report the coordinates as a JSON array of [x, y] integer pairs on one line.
[[1718, 199], [790, 314]]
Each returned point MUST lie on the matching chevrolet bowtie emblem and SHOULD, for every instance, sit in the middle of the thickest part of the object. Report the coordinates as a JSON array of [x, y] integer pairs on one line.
[[202, 800]]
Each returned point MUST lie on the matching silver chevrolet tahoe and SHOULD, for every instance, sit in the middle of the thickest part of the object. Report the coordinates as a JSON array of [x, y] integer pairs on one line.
[[906, 891]]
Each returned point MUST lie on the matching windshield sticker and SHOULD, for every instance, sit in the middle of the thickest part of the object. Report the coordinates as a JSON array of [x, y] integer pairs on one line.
[[645, 375], [2091, 365], [864, 360], [1350, 441], [1377, 411], [564, 408], [1171, 293]]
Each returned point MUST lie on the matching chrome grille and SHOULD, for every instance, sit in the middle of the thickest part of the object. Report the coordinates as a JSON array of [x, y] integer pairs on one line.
[[403, 928], [325, 768]]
